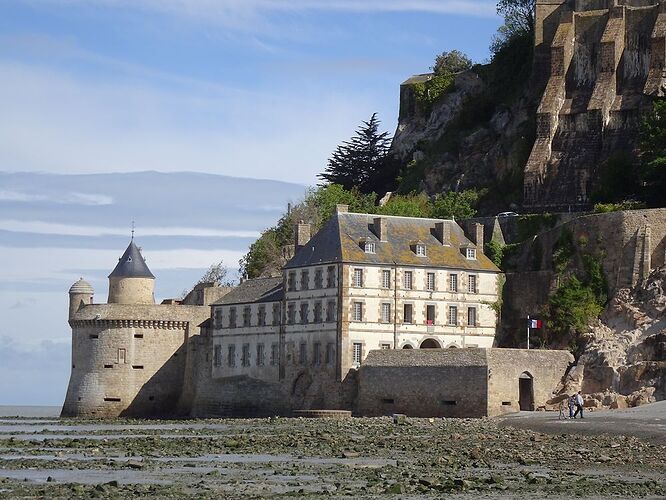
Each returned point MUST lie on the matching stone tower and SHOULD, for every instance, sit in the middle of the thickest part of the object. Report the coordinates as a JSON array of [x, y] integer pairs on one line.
[[129, 356], [131, 282], [80, 294]]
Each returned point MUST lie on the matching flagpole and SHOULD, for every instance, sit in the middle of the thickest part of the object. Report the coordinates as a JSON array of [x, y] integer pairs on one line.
[[528, 332]]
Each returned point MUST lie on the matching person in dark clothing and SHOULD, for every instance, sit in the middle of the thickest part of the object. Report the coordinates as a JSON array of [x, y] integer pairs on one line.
[[579, 405]]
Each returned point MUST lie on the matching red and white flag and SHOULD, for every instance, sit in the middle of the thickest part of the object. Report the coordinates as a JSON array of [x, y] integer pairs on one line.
[[534, 323]]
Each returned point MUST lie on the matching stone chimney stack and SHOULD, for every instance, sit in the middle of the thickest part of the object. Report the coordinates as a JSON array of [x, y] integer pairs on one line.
[[381, 228], [443, 232], [301, 235], [478, 237], [341, 209]]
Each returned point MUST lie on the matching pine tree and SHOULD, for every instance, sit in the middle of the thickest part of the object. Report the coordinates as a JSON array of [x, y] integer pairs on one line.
[[360, 161]]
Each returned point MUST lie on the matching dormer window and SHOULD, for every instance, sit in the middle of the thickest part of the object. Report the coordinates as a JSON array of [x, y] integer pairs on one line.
[[420, 250], [369, 247], [471, 253]]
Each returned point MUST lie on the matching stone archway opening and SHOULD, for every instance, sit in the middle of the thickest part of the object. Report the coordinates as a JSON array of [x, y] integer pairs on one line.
[[526, 392], [453, 346], [407, 346], [430, 344]]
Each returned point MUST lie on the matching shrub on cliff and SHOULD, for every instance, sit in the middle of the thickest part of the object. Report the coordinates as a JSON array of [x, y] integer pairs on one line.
[[653, 154]]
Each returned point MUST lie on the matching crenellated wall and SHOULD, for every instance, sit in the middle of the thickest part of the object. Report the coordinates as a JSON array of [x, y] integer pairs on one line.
[[605, 62]]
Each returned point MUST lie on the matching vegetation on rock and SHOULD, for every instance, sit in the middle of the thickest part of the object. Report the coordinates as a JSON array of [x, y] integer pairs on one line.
[[653, 154]]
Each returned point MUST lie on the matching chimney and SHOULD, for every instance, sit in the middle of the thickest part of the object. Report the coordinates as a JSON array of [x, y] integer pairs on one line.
[[381, 228], [478, 237], [443, 232], [341, 209], [301, 235]]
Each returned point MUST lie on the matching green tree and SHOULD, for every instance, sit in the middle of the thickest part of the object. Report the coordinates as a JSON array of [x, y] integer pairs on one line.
[[572, 308], [459, 205], [448, 63], [653, 154], [518, 22], [360, 162], [327, 197], [408, 205]]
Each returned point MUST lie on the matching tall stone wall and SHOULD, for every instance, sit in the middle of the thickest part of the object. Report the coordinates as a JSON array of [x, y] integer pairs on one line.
[[129, 360], [605, 61], [629, 244]]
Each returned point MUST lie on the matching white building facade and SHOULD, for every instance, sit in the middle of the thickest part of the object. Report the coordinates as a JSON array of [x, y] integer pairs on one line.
[[363, 282]]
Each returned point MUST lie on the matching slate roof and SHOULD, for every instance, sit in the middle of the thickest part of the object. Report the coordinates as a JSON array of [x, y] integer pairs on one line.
[[410, 358], [256, 290], [339, 240], [131, 264], [421, 78], [81, 286]]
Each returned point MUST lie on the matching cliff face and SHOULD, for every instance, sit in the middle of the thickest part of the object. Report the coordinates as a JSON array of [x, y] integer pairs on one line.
[[534, 125]]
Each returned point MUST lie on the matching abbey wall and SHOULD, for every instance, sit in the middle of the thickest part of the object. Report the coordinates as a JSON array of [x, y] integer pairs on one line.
[[605, 61]]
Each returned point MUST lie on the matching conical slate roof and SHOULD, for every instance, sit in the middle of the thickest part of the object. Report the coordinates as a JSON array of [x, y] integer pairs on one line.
[[131, 265], [81, 286]]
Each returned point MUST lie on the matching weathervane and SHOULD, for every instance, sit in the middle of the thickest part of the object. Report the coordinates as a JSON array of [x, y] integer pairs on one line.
[[132, 229]]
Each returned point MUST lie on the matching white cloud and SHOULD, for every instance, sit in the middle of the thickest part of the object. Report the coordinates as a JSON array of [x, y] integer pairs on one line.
[[35, 264], [64, 198], [41, 227], [225, 9], [59, 122]]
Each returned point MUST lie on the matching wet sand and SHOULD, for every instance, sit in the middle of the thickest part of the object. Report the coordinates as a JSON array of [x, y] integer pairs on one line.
[[359, 457]]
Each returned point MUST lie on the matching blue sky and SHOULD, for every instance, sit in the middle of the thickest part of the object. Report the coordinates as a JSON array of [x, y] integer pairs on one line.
[[255, 89]]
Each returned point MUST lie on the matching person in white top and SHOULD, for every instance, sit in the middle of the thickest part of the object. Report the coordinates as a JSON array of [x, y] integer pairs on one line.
[[579, 405]]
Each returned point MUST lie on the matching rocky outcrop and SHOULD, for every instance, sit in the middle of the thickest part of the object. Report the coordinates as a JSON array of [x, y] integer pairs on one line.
[[625, 358]]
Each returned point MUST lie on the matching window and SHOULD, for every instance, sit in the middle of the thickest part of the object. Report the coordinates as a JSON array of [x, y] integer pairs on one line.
[[276, 314], [384, 347], [330, 311], [218, 317], [357, 312], [430, 314], [305, 310], [386, 278], [369, 247], [260, 355], [386, 312], [407, 280], [247, 311], [358, 277], [303, 353], [420, 250], [305, 279], [357, 353], [408, 316], [430, 282], [330, 353], [275, 354], [261, 316], [232, 317], [330, 277], [317, 353], [319, 279], [471, 316], [291, 282], [231, 355], [291, 313], [453, 283], [217, 355], [471, 283], [471, 253], [317, 312], [453, 315], [245, 356]]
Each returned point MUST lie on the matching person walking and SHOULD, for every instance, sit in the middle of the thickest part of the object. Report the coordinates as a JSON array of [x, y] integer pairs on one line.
[[579, 405], [572, 405]]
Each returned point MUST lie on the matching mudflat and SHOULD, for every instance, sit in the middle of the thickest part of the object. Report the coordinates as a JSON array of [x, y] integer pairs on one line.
[[353, 457]]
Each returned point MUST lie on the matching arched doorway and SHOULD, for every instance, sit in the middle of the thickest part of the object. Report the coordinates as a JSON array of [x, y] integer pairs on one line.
[[430, 344], [407, 346], [526, 392], [453, 346]]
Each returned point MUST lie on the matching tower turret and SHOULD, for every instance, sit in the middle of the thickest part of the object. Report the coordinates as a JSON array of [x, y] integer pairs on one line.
[[131, 282], [80, 294]]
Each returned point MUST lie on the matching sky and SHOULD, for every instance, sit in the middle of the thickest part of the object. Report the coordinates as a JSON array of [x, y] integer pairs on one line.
[[113, 111]]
